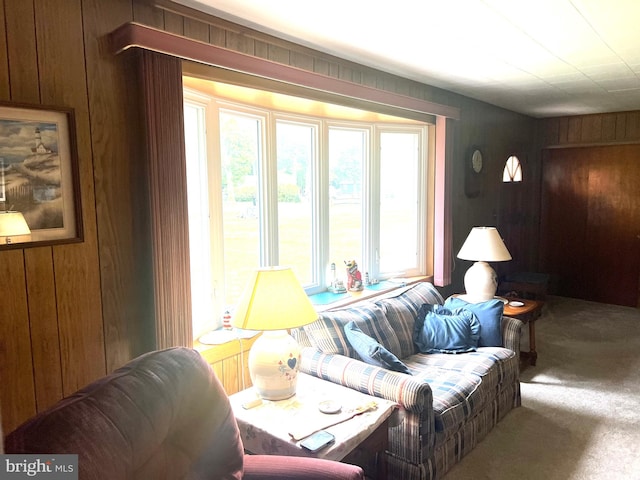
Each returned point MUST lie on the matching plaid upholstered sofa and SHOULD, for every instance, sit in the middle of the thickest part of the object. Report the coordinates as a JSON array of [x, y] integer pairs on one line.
[[449, 402]]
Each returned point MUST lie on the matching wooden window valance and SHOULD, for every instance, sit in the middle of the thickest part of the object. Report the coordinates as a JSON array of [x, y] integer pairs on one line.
[[161, 73]]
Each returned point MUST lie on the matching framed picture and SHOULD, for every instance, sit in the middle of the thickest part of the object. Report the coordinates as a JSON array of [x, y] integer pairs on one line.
[[39, 175]]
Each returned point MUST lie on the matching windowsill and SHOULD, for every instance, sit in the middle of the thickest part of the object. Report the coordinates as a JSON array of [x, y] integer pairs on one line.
[[232, 343], [349, 298]]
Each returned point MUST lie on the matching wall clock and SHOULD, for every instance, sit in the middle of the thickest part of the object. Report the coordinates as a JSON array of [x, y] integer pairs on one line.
[[476, 161]]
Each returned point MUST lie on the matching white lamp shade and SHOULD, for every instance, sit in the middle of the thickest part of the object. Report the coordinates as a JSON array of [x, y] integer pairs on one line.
[[13, 227], [273, 302], [484, 243]]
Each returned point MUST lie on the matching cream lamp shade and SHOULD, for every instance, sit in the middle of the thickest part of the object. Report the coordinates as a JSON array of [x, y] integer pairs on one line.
[[13, 228], [483, 245], [274, 301]]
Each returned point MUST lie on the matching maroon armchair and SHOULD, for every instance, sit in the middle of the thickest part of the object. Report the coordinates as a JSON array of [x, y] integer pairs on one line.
[[164, 415]]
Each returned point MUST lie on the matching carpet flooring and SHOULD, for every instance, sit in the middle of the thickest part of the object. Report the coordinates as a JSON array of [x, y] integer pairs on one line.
[[580, 413]]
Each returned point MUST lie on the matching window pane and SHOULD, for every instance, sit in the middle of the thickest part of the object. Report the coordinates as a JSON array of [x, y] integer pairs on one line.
[[295, 150], [240, 140], [198, 208], [512, 170], [347, 150], [399, 202]]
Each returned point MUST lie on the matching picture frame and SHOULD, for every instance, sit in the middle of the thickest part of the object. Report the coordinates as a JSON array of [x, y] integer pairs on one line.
[[39, 175]]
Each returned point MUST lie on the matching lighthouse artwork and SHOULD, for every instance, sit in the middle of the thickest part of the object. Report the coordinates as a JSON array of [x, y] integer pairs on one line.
[[37, 171]]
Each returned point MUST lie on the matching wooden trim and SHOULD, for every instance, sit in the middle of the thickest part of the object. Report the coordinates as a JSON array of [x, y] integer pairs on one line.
[[218, 353], [443, 236], [132, 35]]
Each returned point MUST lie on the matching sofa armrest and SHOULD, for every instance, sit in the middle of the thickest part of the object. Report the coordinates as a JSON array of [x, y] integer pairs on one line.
[[276, 467], [410, 393], [511, 333]]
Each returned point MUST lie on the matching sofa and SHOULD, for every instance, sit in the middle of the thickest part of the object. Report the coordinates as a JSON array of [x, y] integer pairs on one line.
[[163, 416], [448, 402]]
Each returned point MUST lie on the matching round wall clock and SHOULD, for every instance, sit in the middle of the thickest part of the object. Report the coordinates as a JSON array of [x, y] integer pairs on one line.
[[476, 161]]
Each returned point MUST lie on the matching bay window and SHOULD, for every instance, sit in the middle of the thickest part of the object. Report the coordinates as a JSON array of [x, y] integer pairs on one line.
[[290, 181]]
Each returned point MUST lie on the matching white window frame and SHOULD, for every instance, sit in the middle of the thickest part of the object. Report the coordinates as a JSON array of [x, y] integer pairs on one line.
[[268, 194]]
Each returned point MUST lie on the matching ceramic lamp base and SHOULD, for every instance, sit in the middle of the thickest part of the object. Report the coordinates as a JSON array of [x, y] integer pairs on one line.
[[273, 365], [480, 282]]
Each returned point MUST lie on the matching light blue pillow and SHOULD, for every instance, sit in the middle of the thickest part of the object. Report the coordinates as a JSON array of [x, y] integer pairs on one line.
[[370, 351], [440, 330], [489, 315]]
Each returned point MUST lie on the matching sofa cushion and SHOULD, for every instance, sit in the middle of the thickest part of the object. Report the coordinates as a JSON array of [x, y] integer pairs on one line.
[[495, 365], [370, 351], [438, 329], [489, 314], [327, 333], [401, 310], [456, 397]]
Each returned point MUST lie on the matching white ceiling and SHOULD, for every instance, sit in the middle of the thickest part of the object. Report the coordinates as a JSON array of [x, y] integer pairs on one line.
[[539, 57]]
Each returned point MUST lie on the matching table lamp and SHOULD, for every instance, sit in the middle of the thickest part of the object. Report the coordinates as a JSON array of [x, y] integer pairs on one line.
[[12, 226], [483, 245], [274, 301]]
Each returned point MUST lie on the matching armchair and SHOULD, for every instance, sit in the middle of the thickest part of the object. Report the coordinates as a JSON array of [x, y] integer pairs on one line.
[[164, 415]]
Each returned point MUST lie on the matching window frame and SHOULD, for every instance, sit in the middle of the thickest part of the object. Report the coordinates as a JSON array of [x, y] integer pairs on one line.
[[268, 191]]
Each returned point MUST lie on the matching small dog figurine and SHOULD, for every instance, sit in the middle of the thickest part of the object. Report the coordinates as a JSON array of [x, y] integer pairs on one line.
[[354, 277]]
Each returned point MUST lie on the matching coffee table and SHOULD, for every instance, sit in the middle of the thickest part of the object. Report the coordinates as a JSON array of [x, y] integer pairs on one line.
[[527, 311], [361, 440]]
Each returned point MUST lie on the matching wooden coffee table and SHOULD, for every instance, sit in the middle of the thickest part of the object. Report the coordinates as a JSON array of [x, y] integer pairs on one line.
[[361, 440], [528, 312]]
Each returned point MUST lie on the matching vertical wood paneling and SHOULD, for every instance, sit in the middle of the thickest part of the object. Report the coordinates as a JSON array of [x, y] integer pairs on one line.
[[17, 394], [633, 126], [146, 13], [45, 339], [591, 129], [4, 58], [22, 54], [608, 127], [60, 35], [196, 30], [217, 36], [574, 129], [300, 60], [16, 361], [173, 23], [120, 176], [230, 374], [240, 43]]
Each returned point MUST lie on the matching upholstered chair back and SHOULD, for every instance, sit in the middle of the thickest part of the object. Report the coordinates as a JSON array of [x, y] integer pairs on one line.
[[163, 415]]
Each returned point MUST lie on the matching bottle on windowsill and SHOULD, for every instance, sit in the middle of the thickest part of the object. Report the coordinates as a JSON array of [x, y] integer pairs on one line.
[[226, 320]]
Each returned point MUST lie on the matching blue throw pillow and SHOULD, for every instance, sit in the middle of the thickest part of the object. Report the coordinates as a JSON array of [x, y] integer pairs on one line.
[[371, 351], [489, 314], [440, 330]]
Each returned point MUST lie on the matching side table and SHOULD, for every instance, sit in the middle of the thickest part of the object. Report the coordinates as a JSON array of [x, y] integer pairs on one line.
[[361, 440], [527, 311]]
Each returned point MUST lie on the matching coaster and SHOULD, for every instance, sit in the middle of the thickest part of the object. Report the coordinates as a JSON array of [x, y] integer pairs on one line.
[[329, 406]]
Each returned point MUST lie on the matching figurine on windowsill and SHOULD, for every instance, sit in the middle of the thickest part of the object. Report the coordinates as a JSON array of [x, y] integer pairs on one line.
[[354, 277], [336, 286]]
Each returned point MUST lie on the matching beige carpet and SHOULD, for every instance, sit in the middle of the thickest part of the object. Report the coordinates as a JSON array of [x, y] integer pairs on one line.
[[580, 414]]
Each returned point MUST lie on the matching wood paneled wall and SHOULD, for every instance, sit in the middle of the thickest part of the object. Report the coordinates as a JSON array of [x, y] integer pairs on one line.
[[71, 313], [596, 129]]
